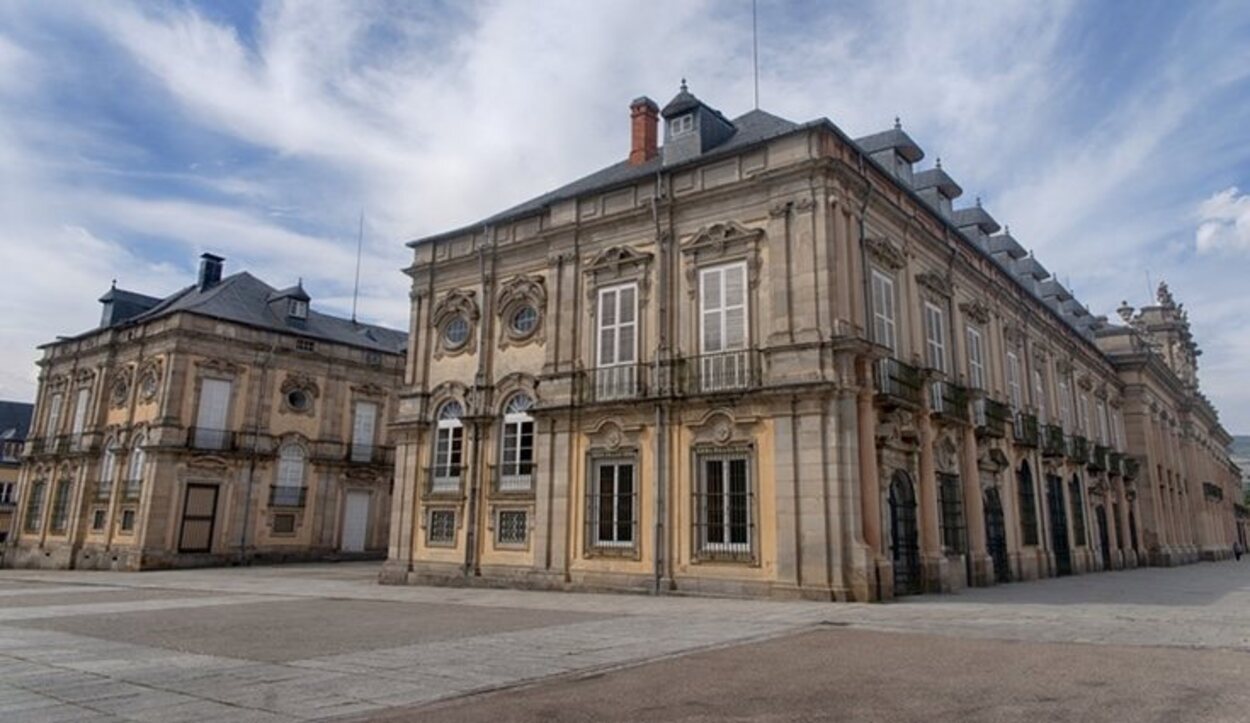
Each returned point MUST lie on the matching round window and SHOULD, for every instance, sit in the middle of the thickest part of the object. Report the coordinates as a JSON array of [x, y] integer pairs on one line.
[[456, 333], [298, 399], [524, 320]]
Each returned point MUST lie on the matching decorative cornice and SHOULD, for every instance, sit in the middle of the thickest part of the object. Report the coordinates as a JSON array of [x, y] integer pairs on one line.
[[934, 283], [219, 366], [886, 253], [976, 310]]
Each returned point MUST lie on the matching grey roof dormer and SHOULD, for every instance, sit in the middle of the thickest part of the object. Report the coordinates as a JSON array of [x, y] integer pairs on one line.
[[893, 149], [937, 188], [691, 127], [1006, 244], [290, 304]]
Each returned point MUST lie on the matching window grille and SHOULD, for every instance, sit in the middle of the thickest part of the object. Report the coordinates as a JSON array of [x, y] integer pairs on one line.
[[723, 502], [951, 502], [1028, 505], [512, 527], [611, 500], [34, 506], [284, 524], [60, 506], [442, 527], [1078, 512], [617, 343]]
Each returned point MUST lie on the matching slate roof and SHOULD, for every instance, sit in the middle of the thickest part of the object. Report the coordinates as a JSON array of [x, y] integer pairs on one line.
[[244, 299], [937, 178], [895, 138], [974, 216], [15, 419], [752, 127]]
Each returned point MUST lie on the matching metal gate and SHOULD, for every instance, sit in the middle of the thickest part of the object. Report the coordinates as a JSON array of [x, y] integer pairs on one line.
[[1058, 525], [996, 535], [199, 514], [1100, 514], [904, 537]]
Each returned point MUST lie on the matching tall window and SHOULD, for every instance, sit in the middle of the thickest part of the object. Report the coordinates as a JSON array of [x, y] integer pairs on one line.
[[108, 467], [976, 359], [1078, 511], [364, 427], [952, 505], [34, 505], [1065, 405], [60, 507], [1101, 411], [289, 491], [617, 343], [1013, 380], [1117, 430], [1028, 505], [883, 310], [448, 448], [134, 472], [54, 416], [724, 504], [1039, 395], [1082, 415], [516, 454], [81, 404], [611, 513], [211, 417], [935, 336], [723, 327]]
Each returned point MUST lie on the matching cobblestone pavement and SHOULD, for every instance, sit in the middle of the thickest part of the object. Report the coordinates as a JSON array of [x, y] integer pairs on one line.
[[306, 642]]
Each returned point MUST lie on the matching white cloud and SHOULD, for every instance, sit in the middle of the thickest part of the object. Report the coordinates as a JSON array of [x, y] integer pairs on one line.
[[1224, 222]]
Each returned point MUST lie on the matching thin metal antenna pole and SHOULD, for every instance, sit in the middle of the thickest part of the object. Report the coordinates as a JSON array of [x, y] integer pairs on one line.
[[360, 239], [755, 52]]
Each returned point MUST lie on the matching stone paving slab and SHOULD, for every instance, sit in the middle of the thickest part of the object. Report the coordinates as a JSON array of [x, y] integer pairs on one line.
[[43, 598]]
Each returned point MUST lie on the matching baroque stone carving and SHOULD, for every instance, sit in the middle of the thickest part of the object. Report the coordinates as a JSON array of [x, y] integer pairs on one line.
[[976, 310], [368, 390], [934, 282], [514, 295], [884, 252], [619, 263], [455, 304], [725, 241], [119, 388], [219, 366], [150, 379]]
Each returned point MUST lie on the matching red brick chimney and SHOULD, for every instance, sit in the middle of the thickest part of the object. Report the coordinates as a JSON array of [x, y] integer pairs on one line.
[[644, 118]]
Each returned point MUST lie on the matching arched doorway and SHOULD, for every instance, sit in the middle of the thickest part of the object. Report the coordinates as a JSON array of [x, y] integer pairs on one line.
[[1058, 525], [996, 535], [904, 536], [1104, 539]]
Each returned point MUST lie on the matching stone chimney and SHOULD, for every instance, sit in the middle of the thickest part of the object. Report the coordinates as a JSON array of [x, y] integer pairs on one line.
[[210, 271], [644, 118]]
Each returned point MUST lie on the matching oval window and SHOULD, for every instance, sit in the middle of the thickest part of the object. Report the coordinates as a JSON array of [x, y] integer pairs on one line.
[[456, 333], [524, 320], [298, 399]]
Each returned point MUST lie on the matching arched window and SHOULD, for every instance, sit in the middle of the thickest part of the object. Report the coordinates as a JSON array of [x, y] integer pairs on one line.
[[289, 490], [1028, 504], [34, 505], [516, 452], [134, 472], [448, 448], [108, 468]]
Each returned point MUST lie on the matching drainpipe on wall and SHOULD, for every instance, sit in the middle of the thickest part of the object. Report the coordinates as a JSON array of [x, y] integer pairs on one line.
[[264, 363], [662, 368]]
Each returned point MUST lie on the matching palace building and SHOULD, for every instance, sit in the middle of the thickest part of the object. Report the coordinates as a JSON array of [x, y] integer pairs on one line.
[[225, 423], [766, 359]]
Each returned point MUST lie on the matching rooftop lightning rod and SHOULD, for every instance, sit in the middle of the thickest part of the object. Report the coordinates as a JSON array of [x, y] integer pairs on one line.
[[755, 52], [360, 238]]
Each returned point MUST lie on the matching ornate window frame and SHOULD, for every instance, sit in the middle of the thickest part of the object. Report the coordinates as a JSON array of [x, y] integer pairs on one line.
[[514, 295], [455, 304], [151, 374], [297, 382]]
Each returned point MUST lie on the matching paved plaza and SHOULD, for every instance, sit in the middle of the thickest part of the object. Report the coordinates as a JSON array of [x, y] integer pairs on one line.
[[306, 642]]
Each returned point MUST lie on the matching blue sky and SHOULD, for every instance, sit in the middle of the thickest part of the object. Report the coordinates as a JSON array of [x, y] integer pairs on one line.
[[133, 136]]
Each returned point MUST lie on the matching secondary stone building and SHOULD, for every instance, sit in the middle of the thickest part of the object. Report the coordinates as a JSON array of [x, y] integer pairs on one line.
[[763, 358], [14, 423], [226, 422]]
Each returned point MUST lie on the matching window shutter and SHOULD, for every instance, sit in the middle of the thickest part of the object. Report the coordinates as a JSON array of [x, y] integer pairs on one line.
[[618, 323], [80, 410], [214, 403], [713, 310]]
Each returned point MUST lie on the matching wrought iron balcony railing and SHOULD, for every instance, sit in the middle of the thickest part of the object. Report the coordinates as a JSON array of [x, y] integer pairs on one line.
[[1098, 458], [1078, 449], [132, 490], [729, 371], [205, 438], [514, 478], [898, 383], [1025, 429], [1052, 441], [949, 400], [615, 383], [442, 479], [1132, 467], [991, 417], [287, 496]]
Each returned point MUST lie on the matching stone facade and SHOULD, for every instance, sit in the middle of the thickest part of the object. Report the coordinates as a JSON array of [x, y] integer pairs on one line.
[[191, 434], [774, 361]]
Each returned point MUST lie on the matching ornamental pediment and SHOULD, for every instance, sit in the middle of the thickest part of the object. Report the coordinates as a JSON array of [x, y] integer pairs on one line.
[[618, 259], [886, 253], [721, 237], [934, 282]]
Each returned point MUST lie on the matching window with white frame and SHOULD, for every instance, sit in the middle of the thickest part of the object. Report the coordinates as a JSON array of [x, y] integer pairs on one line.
[[612, 501], [289, 490], [723, 327], [681, 125], [723, 515], [1013, 380], [448, 448], [883, 310], [511, 528], [108, 468], [1100, 409], [617, 343], [441, 527], [976, 359], [1039, 395], [1065, 405], [134, 470], [212, 414], [81, 405], [516, 453], [54, 415], [935, 336], [59, 518], [364, 429]]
